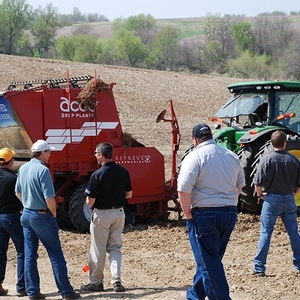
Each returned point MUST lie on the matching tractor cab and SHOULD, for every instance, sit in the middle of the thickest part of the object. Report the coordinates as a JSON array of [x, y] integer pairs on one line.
[[245, 122]]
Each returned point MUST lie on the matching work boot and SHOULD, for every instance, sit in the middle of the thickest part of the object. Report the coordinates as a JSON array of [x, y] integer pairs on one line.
[[21, 293], [38, 297], [91, 287], [3, 291], [73, 296], [118, 287]]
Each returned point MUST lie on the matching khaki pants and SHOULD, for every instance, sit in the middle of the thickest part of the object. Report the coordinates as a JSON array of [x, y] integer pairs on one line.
[[106, 236]]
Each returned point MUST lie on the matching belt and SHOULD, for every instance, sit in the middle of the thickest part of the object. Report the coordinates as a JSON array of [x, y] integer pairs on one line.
[[112, 207], [40, 211], [211, 207]]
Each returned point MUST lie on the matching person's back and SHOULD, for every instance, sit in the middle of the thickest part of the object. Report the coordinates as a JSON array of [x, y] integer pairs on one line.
[[276, 181], [34, 187], [209, 182], [36, 183], [214, 173]]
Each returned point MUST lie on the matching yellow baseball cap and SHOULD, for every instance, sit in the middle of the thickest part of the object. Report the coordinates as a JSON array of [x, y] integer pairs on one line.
[[6, 155]]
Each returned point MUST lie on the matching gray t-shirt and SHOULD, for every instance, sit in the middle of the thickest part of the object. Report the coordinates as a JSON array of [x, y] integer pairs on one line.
[[278, 172]]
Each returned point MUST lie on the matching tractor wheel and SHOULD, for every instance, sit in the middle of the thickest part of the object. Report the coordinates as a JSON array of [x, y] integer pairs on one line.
[[248, 158], [79, 211], [63, 217], [62, 213], [293, 146]]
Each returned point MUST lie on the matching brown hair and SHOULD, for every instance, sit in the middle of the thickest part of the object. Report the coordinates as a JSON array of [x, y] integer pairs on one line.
[[278, 138]]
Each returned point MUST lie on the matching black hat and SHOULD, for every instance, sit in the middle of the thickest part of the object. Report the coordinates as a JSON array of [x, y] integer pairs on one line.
[[201, 130]]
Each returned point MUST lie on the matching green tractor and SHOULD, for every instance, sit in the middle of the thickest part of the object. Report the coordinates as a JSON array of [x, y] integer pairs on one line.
[[246, 121]]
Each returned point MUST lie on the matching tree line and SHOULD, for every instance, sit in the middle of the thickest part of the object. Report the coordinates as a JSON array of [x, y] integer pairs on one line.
[[264, 47]]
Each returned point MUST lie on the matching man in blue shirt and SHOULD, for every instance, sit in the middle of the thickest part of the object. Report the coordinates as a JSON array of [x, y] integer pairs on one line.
[[35, 189]]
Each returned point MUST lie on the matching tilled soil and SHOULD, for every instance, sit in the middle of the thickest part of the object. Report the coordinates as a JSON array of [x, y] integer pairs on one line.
[[157, 259]]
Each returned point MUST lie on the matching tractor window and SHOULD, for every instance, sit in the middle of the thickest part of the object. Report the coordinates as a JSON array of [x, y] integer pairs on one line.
[[288, 102], [242, 104]]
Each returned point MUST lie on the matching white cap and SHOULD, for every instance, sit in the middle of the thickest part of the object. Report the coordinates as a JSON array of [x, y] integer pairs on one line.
[[41, 145]]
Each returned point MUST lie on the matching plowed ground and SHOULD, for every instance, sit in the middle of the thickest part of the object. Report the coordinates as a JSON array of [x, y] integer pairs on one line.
[[157, 260]]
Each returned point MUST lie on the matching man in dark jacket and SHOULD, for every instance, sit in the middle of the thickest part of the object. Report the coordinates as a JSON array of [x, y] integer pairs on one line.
[[10, 226]]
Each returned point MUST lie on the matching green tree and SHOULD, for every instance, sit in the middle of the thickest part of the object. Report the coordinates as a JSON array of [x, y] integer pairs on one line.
[[219, 42], [81, 48], [131, 49], [143, 26], [88, 49], [251, 66], [44, 30], [14, 17], [65, 47], [164, 53], [242, 36]]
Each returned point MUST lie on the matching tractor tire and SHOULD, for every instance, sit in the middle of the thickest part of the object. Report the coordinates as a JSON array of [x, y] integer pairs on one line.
[[63, 217], [248, 157], [80, 213], [62, 213]]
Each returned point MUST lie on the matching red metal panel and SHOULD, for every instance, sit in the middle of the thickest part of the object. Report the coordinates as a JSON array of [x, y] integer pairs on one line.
[[147, 171], [27, 108], [75, 131]]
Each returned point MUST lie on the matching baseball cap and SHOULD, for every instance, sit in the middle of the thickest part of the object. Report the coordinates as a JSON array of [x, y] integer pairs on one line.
[[201, 130], [6, 155], [41, 145]]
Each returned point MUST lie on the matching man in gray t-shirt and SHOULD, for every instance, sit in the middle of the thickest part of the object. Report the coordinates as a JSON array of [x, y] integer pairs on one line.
[[278, 175]]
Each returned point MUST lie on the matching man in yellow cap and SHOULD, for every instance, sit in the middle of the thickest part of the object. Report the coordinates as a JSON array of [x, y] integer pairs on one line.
[[10, 226]]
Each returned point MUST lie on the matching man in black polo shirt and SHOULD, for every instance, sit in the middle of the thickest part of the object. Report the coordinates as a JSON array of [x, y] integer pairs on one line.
[[107, 191], [10, 226], [278, 175]]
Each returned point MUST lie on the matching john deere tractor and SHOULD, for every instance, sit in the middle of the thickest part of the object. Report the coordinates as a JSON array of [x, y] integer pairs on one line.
[[246, 121]]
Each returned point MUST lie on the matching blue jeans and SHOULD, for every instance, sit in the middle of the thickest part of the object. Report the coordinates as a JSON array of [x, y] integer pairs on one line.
[[276, 205], [43, 226], [209, 232], [10, 227]]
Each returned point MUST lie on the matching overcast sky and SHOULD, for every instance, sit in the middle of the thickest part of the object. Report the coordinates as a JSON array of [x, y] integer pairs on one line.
[[160, 9]]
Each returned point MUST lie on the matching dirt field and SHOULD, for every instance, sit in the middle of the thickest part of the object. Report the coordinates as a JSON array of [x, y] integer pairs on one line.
[[157, 260]]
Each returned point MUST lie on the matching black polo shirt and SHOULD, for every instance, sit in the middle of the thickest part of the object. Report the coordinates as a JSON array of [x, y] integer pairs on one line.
[[108, 186], [278, 172], [9, 202]]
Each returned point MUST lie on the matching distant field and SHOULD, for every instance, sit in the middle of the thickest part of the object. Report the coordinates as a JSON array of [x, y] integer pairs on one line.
[[188, 27]]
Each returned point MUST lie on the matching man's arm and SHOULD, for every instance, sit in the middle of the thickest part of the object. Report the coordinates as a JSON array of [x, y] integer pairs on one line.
[[19, 196], [185, 202], [128, 194], [51, 203], [90, 201], [258, 190]]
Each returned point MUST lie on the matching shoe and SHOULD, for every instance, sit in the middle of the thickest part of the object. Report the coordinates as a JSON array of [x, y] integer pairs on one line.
[[73, 296], [21, 293], [118, 287], [91, 287], [182, 296], [38, 296], [260, 274], [3, 291]]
